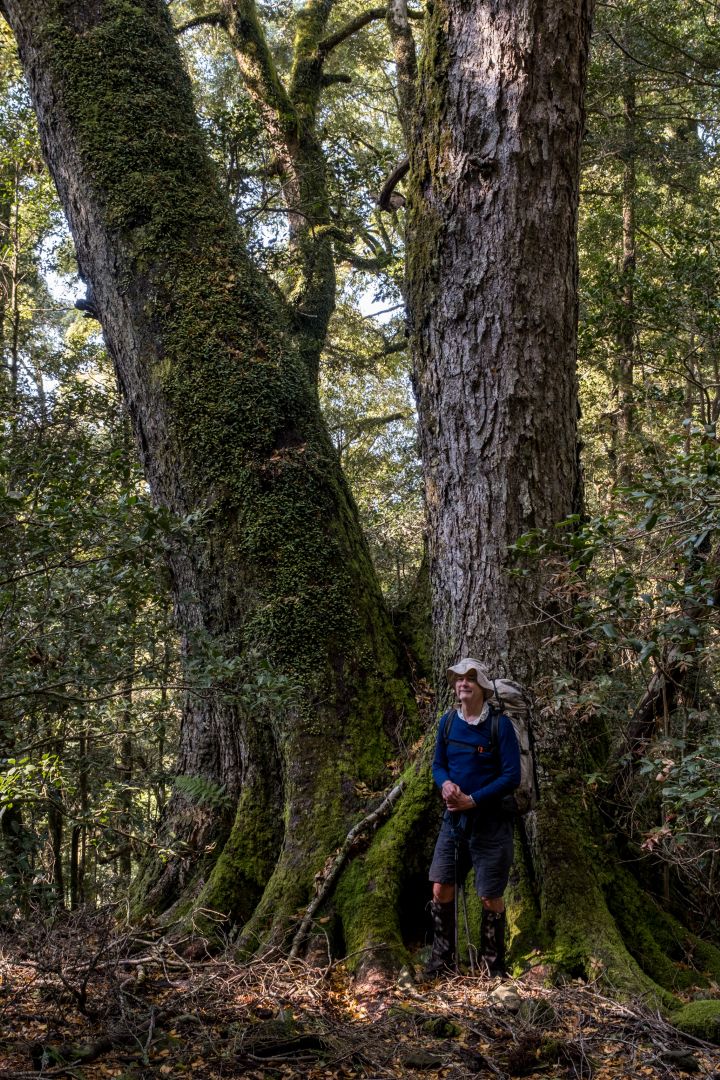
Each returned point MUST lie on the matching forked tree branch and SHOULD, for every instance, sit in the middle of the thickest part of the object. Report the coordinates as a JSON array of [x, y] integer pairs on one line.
[[359, 23], [333, 40], [257, 66]]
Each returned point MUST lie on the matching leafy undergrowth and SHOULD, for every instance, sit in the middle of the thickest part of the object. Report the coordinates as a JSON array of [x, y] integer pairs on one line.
[[81, 999]]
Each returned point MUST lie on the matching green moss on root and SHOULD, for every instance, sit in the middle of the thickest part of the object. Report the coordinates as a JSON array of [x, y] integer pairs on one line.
[[699, 1018], [368, 894], [574, 868], [662, 946], [245, 864], [525, 936]]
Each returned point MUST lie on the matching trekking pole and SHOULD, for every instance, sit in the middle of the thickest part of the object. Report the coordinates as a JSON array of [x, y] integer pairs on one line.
[[471, 947], [457, 921]]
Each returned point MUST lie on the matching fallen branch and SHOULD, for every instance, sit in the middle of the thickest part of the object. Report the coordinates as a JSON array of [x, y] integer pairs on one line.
[[340, 859]]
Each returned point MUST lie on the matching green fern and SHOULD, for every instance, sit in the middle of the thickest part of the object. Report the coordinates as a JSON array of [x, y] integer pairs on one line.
[[203, 792]]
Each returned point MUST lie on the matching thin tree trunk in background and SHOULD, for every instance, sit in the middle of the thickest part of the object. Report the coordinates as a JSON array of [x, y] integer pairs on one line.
[[75, 843], [160, 790], [41, 396], [56, 827], [691, 392], [126, 774], [126, 763], [6, 203], [627, 412], [15, 854], [14, 343], [83, 785]]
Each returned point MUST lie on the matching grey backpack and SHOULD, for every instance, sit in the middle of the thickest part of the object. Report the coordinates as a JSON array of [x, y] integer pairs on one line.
[[513, 700]]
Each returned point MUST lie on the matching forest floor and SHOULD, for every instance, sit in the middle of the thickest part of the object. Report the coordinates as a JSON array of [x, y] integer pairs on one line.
[[81, 999]]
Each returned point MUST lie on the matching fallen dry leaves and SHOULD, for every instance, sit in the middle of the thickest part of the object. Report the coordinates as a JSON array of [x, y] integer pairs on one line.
[[83, 999]]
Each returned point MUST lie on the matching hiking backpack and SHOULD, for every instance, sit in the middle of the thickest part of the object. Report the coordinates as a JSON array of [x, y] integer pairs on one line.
[[512, 700]]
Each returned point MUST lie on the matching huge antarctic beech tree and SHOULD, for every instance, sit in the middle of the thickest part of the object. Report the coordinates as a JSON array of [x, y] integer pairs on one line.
[[226, 418]]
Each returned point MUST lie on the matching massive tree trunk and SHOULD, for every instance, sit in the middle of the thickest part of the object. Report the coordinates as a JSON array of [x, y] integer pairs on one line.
[[225, 414], [492, 292], [492, 282]]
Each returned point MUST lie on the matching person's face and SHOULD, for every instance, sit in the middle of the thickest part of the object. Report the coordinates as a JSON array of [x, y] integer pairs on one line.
[[468, 691]]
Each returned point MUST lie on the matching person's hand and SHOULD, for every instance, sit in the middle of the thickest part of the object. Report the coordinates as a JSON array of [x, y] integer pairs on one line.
[[449, 790], [458, 800]]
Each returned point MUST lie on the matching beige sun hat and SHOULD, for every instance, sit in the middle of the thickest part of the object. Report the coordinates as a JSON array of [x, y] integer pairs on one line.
[[468, 663]]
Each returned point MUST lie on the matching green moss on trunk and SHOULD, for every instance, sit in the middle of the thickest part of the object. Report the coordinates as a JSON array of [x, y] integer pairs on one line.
[[368, 896]]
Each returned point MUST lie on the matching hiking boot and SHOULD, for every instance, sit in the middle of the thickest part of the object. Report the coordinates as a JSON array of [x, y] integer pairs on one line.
[[492, 942], [442, 957]]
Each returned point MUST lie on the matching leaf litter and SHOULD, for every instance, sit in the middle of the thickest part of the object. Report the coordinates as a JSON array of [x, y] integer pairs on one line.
[[81, 997]]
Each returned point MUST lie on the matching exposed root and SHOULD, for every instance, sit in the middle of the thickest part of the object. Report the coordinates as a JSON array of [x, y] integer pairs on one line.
[[327, 879]]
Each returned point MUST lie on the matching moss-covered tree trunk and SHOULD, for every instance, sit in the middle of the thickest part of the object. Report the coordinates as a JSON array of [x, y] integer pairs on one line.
[[625, 421], [272, 564], [290, 117]]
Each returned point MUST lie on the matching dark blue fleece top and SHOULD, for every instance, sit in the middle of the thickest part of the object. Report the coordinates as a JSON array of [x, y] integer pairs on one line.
[[467, 758]]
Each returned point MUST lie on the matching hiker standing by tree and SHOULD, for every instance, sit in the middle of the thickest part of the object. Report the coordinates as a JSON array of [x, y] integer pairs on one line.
[[474, 768]]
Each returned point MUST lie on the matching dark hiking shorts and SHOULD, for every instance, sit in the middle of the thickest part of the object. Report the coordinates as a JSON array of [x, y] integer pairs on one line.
[[487, 846]]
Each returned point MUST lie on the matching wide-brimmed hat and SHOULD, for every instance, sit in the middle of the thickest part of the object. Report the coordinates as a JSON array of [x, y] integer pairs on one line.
[[469, 664]]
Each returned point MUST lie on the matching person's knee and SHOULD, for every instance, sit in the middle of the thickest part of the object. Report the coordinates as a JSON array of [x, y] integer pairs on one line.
[[493, 903], [442, 893]]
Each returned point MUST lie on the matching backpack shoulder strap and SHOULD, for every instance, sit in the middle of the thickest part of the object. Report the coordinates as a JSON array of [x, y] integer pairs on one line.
[[447, 727], [494, 728], [495, 734]]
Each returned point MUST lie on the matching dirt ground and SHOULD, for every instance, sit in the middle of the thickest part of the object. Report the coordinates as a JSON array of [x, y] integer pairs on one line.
[[81, 999]]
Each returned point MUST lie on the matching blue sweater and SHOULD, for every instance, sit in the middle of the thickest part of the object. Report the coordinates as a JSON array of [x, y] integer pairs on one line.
[[467, 759]]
